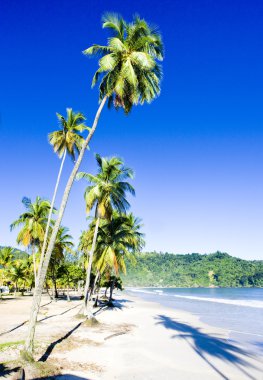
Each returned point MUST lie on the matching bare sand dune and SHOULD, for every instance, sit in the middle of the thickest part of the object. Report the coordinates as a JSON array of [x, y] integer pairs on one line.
[[135, 340]]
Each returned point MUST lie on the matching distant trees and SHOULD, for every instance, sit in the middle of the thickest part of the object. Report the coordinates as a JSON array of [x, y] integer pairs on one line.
[[217, 269], [33, 224]]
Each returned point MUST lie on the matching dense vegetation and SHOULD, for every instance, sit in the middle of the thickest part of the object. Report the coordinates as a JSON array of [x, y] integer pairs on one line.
[[193, 270]]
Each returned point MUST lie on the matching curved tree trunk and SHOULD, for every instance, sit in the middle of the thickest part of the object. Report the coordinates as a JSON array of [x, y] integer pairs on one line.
[[87, 284], [43, 271], [51, 211]]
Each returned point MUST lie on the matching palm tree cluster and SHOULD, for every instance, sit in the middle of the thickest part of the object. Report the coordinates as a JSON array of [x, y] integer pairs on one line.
[[112, 235], [129, 73]]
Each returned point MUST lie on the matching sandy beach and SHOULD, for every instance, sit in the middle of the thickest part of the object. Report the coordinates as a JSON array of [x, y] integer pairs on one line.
[[135, 340]]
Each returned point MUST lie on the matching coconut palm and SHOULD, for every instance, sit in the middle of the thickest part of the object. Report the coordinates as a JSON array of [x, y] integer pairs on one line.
[[6, 257], [107, 191], [18, 272], [128, 64], [118, 240], [63, 245], [124, 94], [33, 222], [65, 141]]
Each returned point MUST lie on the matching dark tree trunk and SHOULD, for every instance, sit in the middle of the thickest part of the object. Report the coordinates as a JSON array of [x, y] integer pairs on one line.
[[111, 290]]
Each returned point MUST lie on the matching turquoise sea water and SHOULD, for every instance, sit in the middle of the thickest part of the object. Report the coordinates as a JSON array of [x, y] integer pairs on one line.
[[238, 310]]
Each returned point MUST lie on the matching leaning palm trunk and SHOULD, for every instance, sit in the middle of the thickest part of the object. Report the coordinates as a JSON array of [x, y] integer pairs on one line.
[[50, 212], [43, 271], [87, 284]]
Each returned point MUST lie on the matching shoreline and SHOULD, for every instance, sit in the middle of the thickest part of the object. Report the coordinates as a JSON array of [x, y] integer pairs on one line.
[[137, 340]]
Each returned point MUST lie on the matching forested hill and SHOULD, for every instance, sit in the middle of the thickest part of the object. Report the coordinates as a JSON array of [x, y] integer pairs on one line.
[[193, 270]]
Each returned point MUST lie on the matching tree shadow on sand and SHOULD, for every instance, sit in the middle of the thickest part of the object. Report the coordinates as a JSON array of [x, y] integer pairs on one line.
[[56, 315], [52, 345], [116, 304], [6, 371], [206, 345], [22, 324]]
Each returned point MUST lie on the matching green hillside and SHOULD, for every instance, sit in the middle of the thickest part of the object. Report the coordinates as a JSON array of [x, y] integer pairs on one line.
[[193, 270]]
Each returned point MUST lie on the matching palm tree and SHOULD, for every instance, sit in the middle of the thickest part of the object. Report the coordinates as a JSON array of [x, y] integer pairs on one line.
[[146, 43], [63, 244], [18, 272], [33, 223], [107, 192], [6, 257], [128, 64], [118, 239], [65, 141]]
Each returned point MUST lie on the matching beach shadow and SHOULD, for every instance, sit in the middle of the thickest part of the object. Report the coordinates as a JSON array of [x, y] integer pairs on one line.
[[40, 320], [100, 309], [116, 304], [14, 328], [52, 345], [5, 371], [66, 376], [119, 304], [45, 304], [56, 315], [208, 346]]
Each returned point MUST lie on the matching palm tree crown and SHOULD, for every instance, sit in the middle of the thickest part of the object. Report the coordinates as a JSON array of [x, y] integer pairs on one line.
[[118, 239], [108, 188], [33, 221], [63, 243], [68, 138], [129, 63]]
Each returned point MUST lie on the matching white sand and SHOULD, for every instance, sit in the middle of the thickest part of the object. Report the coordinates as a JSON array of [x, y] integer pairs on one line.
[[140, 341]]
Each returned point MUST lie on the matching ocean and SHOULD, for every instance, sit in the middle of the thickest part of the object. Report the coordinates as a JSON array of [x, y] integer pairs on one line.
[[239, 310]]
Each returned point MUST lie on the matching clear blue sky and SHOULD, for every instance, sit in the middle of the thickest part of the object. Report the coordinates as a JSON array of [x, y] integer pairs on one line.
[[197, 150]]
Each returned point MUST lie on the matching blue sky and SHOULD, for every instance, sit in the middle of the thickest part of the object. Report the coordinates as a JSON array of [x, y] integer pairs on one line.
[[197, 150]]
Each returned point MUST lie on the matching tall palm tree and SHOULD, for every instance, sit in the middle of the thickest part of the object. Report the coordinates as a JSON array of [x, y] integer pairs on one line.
[[107, 191], [65, 141], [146, 42], [33, 222], [128, 64]]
